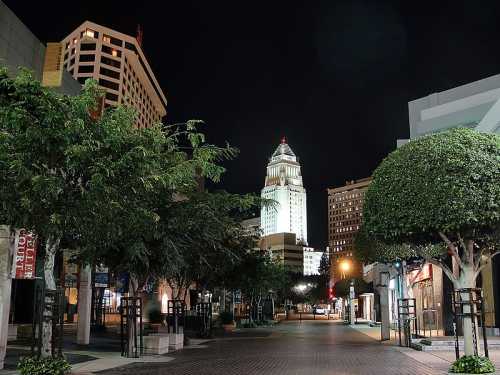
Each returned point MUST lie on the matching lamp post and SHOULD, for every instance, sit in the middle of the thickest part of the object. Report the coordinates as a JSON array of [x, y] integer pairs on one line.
[[345, 267], [351, 303]]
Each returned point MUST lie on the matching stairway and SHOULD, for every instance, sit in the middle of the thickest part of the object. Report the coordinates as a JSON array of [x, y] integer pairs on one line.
[[448, 343]]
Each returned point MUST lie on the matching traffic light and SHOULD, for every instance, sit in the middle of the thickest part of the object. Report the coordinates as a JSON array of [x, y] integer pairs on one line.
[[330, 293]]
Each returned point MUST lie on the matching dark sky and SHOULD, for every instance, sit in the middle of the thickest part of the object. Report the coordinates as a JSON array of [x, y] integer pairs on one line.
[[333, 76]]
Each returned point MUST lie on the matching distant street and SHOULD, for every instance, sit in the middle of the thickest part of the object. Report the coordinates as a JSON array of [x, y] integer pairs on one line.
[[295, 348]]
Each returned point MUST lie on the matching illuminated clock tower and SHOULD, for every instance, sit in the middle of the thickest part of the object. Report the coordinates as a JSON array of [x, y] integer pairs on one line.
[[283, 184]]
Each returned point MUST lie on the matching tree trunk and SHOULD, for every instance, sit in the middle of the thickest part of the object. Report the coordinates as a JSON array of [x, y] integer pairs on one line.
[[132, 349], [51, 247], [467, 280]]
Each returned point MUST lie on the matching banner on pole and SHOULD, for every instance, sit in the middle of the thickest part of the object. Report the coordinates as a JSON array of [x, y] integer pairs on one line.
[[25, 257]]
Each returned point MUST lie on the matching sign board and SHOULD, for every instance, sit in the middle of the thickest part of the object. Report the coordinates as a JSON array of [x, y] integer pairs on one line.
[[70, 280], [101, 280], [101, 277], [25, 256], [237, 296], [122, 283], [351, 292]]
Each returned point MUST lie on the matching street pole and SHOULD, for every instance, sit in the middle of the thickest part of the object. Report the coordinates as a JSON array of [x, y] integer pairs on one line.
[[351, 303], [5, 288]]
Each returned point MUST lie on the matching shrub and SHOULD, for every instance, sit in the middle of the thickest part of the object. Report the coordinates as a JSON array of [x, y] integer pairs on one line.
[[250, 325], [154, 313], [471, 364], [43, 366], [226, 317]]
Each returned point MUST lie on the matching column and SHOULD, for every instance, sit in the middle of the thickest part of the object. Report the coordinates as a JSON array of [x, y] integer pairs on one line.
[[5, 289], [84, 306], [383, 290]]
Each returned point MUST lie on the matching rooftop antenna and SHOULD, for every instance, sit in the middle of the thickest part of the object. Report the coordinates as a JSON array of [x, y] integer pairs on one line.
[[140, 34]]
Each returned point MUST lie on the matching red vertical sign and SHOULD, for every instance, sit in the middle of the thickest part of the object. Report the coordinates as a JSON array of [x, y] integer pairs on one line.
[[24, 260]]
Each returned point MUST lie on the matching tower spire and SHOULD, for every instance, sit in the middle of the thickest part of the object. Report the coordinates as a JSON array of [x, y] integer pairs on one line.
[[283, 140]]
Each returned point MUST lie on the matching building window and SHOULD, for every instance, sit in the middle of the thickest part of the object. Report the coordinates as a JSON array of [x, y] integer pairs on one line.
[[87, 58], [130, 46], [91, 33], [108, 84], [83, 79], [87, 47], [72, 61], [109, 73], [111, 51], [110, 62], [86, 69], [111, 96], [116, 42]]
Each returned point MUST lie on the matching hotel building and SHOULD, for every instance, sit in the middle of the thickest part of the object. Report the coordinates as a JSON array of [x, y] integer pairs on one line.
[[117, 62]]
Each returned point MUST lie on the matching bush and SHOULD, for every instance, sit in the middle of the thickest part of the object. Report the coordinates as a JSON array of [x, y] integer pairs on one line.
[[43, 366], [226, 317], [154, 312], [250, 325], [470, 364]]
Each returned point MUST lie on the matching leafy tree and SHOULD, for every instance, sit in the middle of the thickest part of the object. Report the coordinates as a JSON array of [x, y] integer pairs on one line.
[[95, 182], [441, 192], [202, 238], [40, 183], [257, 276]]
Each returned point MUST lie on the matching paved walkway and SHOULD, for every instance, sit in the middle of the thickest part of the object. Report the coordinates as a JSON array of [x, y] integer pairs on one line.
[[293, 348]]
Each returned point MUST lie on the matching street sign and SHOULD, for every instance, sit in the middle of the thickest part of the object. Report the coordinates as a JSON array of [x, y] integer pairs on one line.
[[25, 257], [237, 296]]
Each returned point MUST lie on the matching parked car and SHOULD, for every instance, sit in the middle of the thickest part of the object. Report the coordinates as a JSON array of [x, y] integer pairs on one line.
[[318, 310]]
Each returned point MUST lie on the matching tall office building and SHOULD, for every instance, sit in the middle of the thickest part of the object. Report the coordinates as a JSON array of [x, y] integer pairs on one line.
[[118, 63], [345, 212], [284, 185]]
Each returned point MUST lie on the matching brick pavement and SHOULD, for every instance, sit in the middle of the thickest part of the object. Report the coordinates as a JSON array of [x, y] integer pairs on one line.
[[293, 348]]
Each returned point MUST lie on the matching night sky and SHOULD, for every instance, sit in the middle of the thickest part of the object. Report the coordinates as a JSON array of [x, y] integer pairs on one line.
[[334, 77]]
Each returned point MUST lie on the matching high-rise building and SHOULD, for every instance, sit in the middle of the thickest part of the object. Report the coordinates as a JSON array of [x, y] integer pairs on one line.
[[312, 261], [117, 62], [345, 212], [284, 185]]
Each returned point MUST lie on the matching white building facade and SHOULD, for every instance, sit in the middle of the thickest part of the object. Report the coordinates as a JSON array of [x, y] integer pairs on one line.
[[474, 105], [312, 261], [284, 185]]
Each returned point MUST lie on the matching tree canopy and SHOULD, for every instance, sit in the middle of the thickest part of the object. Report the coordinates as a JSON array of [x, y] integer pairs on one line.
[[445, 182]]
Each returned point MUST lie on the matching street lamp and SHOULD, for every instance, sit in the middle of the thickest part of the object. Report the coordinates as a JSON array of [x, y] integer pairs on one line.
[[345, 266]]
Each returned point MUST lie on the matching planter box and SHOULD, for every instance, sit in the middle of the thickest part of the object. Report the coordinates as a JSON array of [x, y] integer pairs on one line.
[[176, 341], [12, 332], [229, 327], [156, 344]]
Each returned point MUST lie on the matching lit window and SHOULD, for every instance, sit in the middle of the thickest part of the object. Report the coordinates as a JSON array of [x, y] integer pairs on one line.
[[90, 33], [75, 40], [106, 39]]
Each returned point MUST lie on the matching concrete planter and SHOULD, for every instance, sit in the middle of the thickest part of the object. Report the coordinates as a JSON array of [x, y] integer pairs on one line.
[[176, 341], [12, 332], [229, 327], [156, 344]]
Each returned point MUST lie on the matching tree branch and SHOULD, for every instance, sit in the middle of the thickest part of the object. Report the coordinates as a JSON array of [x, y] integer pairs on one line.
[[448, 272], [452, 248]]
